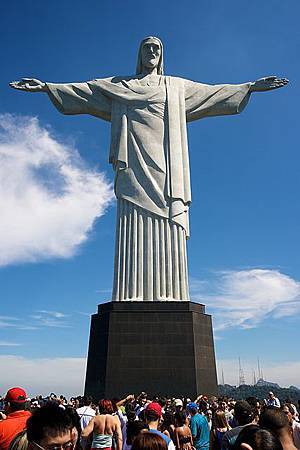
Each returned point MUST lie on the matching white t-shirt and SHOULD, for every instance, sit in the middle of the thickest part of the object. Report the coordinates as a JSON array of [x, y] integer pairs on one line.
[[86, 413]]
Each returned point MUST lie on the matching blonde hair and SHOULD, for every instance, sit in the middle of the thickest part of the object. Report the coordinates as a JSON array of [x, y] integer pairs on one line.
[[219, 419]]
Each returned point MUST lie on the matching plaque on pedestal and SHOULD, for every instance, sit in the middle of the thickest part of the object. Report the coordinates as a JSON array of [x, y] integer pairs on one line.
[[153, 346]]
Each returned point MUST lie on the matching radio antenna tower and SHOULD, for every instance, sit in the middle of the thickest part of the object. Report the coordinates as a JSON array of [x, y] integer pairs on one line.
[[260, 373], [241, 374], [223, 382]]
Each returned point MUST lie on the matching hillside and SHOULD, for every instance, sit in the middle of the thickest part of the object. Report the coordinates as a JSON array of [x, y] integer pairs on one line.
[[260, 391]]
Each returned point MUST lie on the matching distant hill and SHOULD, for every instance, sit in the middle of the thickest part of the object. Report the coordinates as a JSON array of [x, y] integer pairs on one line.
[[262, 382], [260, 391]]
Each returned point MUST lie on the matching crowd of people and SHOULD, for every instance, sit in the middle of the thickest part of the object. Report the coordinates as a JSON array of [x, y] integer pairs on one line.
[[144, 423]]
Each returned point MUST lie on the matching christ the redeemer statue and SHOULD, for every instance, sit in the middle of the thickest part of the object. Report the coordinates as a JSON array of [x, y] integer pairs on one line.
[[149, 154]]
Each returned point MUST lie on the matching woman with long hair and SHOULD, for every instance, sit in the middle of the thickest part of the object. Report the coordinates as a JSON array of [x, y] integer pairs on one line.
[[183, 435], [219, 428]]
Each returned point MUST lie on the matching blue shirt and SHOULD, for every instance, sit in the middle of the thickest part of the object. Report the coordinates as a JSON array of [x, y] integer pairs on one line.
[[168, 441], [200, 432]]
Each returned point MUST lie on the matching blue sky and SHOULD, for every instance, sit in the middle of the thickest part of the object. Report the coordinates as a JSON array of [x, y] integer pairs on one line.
[[57, 236]]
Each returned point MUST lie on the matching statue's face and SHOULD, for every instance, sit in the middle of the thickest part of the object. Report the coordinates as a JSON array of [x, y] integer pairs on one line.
[[151, 52]]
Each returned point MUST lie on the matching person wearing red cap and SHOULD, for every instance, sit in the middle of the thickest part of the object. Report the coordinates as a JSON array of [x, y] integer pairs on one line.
[[153, 413], [16, 419]]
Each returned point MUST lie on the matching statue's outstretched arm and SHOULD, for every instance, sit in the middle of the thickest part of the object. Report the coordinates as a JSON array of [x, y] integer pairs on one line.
[[29, 85], [268, 84], [71, 98]]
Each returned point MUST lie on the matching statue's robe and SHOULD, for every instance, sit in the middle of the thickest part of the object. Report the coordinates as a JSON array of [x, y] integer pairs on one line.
[[149, 153]]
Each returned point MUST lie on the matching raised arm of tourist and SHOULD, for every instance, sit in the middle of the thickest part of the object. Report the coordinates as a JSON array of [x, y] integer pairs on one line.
[[124, 400]]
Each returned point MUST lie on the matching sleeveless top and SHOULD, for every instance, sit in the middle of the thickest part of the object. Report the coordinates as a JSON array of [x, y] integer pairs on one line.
[[102, 440]]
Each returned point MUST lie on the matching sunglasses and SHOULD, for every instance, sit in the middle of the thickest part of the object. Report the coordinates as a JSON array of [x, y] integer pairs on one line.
[[66, 446]]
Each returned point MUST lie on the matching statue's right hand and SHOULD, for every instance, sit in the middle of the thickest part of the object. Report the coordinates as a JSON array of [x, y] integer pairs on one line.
[[29, 84]]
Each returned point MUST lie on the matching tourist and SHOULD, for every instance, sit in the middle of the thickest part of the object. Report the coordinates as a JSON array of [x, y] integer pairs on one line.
[[243, 415], [228, 414], [76, 425], [119, 407], [134, 428], [141, 402], [85, 413], [295, 414], [219, 428], [104, 427], [275, 420], [16, 416], [183, 435], [202, 403], [153, 414], [167, 425], [271, 400], [51, 426], [149, 441], [254, 438], [209, 415], [254, 402], [290, 413], [178, 403], [199, 427]]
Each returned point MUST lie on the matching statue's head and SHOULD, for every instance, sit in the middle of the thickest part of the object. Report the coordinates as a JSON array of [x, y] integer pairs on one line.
[[150, 55]]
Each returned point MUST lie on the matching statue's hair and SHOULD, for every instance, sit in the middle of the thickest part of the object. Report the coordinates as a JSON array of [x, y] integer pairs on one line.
[[160, 67]]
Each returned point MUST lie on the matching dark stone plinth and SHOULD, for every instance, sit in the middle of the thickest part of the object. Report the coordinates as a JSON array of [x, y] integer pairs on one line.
[[157, 347]]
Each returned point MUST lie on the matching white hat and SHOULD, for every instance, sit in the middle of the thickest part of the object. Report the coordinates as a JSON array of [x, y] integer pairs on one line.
[[178, 402]]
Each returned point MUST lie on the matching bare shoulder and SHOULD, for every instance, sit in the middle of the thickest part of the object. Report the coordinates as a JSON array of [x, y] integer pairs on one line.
[[99, 419], [116, 419]]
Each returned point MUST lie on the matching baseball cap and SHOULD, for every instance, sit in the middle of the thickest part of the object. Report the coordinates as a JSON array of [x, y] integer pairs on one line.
[[153, 406], [16, 395], [178, 402], [192, 405]]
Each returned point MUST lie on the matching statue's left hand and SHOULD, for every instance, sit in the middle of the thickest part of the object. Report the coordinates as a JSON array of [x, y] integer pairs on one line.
[[267, 84]]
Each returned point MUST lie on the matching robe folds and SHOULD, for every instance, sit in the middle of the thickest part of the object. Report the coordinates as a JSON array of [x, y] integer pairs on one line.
[[149, 154]]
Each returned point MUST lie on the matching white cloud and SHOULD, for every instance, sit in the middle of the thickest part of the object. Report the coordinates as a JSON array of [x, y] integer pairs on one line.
[[285, 373], [43, 375], [14, 322], [245, 298], [9, 321], [44, 318], [56, 314], [49, 199], [9, 344], [51, 322]]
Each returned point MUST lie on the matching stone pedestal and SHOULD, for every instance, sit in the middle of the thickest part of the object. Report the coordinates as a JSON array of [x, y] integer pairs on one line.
[[156, 347]]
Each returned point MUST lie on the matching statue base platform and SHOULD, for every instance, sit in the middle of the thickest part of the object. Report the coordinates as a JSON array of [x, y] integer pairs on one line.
[[153, 346]]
